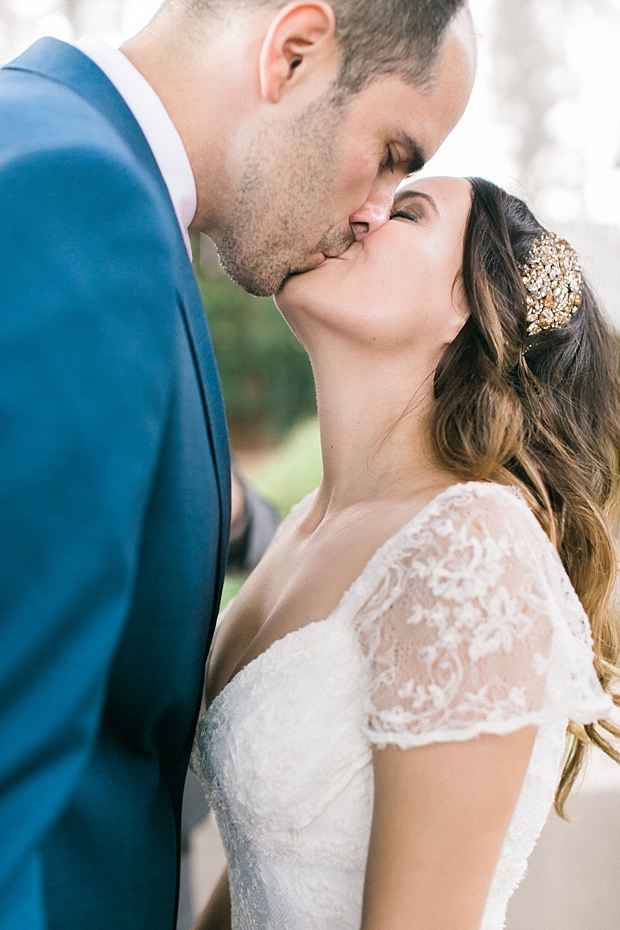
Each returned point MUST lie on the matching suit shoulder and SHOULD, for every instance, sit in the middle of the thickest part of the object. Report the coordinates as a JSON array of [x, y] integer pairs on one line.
[[102, 256], [42, 119], [35, 111], [93, 184]]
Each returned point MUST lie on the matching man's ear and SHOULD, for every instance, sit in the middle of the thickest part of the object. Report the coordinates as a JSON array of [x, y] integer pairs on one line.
[[300, 46]]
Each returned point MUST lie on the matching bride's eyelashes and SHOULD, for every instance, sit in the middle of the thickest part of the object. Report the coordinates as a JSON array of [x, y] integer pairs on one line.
[[406, 215]]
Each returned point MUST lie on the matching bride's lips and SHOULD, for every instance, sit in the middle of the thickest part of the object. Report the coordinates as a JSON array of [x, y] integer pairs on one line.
[[323, 260], [318, 260], [326, 257], [341, 257]]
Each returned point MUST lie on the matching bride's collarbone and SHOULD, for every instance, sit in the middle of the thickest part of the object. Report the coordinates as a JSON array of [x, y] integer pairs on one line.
[[301, 580], [298, 587]]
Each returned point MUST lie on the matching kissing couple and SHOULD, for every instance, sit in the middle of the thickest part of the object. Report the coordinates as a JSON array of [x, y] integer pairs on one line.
[[418, 665]]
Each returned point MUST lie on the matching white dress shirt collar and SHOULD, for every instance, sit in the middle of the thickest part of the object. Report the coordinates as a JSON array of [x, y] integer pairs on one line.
[[154, 121]]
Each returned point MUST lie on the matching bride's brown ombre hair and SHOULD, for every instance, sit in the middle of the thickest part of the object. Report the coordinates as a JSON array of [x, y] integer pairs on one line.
[[541, 413]]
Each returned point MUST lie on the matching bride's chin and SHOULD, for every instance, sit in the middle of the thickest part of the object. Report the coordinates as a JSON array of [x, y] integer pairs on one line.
[[309, 290], [292, 290]]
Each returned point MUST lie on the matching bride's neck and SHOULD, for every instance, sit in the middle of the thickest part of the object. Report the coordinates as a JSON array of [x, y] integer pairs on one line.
[[373, 410]]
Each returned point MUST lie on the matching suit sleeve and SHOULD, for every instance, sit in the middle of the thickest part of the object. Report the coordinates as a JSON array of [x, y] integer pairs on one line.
[[86, 328]]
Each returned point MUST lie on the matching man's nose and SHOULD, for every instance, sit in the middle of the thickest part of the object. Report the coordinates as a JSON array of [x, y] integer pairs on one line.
[[374, 212]]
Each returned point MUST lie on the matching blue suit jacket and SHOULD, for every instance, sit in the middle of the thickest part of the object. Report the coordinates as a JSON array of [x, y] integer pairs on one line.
[[114, 506]]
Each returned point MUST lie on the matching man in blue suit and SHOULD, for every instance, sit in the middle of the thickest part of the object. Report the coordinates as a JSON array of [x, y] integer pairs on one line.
[[281, 131]]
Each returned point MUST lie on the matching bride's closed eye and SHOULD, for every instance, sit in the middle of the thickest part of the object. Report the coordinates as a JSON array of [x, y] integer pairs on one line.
[[414, 205], [413, 215]]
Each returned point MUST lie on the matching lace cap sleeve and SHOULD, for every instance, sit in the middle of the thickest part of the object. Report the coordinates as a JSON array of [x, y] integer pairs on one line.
[[470, 625]]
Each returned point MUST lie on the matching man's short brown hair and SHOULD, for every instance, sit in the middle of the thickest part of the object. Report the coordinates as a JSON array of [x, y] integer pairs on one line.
[[375, 37]]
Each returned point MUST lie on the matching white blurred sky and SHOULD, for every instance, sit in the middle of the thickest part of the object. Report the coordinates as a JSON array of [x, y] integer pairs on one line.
[[587, 122]]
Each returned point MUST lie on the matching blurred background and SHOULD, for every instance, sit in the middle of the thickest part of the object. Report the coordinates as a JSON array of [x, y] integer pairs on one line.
[[544, 122]]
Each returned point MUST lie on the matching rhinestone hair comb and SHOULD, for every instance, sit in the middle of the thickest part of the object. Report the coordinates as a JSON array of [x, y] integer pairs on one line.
[[553, 281]]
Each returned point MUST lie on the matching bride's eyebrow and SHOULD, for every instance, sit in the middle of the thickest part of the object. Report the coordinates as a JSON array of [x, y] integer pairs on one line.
[[406, 195]]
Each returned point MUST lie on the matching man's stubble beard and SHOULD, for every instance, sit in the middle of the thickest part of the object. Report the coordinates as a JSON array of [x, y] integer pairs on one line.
[[286, 185]]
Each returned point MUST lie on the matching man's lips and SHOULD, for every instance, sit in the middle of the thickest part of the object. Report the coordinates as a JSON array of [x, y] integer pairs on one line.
[[317, 260]]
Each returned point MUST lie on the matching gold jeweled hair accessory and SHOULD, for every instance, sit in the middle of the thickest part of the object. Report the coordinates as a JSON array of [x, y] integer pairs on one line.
[[553, 281]]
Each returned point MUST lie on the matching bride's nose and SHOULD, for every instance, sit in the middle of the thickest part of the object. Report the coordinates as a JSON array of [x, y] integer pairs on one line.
[[374, 212]]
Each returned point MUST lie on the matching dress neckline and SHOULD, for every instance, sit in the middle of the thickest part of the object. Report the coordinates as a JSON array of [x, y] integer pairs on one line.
[[233, 684]]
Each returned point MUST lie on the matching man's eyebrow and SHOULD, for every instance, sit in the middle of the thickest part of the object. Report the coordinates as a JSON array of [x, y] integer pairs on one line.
[[406, 194], [417, 159]]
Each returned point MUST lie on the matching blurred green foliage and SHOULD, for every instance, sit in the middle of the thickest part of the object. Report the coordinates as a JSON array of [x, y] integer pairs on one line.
[[293, 470], [266, 375], [268, 390]]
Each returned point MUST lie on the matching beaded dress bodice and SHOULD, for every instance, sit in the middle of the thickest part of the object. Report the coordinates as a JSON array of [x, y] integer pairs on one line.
[[463, 623]]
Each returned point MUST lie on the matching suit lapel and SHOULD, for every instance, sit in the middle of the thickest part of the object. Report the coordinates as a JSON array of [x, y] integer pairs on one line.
[[67, 65]]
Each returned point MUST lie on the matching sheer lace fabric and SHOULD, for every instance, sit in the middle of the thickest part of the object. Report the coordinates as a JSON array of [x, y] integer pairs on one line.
[[464, 614], [463, 623]]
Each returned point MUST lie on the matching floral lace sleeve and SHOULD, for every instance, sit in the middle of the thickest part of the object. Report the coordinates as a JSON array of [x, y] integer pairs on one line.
[[470, 625]]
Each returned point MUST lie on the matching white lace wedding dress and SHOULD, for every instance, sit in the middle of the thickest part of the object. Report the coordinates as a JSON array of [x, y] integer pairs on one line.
[[463, 623]]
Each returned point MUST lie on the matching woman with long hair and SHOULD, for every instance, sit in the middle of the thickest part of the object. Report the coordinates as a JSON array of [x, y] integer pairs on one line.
[[418, 665]]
